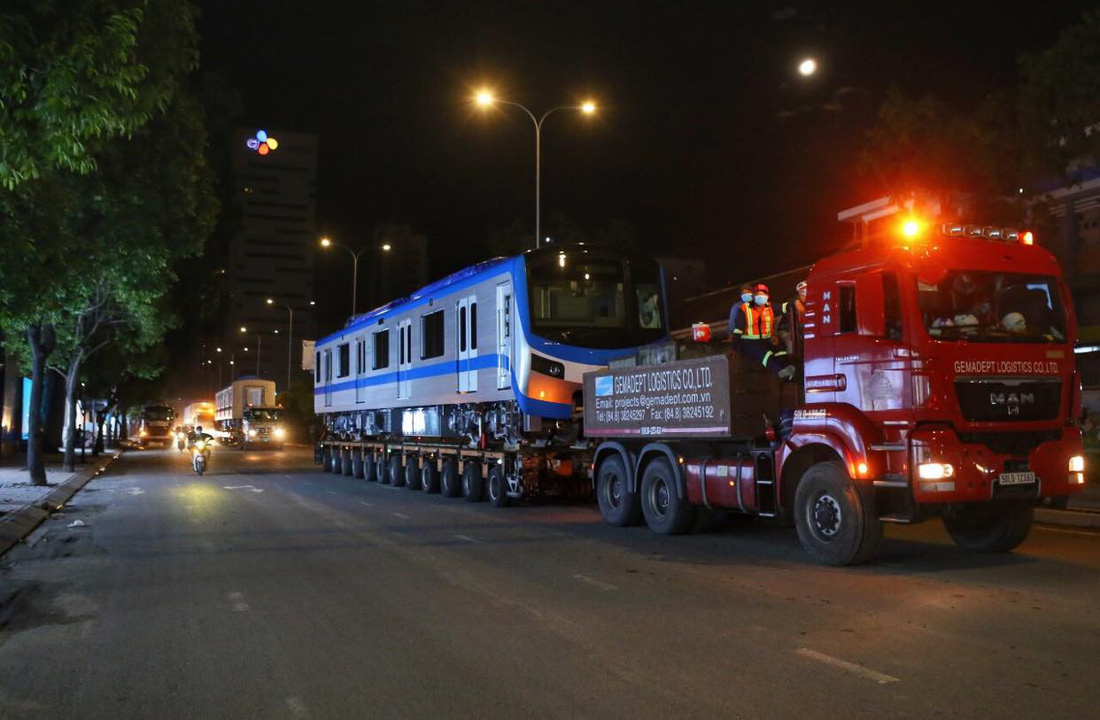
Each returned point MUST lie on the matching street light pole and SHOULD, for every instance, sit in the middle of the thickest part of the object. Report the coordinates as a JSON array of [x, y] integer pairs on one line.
[[486, 98], [326, 242]]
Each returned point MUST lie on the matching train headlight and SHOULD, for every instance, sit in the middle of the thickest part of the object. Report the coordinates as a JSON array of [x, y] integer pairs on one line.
[[546, 366]]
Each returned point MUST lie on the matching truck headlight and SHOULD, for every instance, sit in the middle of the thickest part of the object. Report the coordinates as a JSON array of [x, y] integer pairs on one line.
[[143, 433], [1077, 463], [935, 471], [279, 433], [251, 433]]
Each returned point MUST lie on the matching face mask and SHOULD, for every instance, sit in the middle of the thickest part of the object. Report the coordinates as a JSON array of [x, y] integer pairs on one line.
[[802, 295], [761, 299], [746, 297]]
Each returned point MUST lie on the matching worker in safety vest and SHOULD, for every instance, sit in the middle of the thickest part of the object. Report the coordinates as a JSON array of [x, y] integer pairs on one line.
[[791, 314], [752, 329]]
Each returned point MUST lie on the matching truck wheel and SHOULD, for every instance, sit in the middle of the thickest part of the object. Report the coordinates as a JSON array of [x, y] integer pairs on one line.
[[836, 518], [396, 474], [665, 512], [498, 487], [347, 463], [335, 465], [357, 463], [429, 478], [368, 467], [618, 505], [412, 475], [449, 485], [990, 529], [473, 486], [326, 459]]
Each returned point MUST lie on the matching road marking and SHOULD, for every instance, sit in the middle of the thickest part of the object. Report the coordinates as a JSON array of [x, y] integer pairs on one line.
[[237, 599], [368, 504], [403, 517], [880, 678], [595, 583], [1086, 533], [297, 707], [243, 487], [136, 491], [467, 538]]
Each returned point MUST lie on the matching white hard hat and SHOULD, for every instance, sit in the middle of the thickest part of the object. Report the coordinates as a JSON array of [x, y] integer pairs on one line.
[[1014, 322]]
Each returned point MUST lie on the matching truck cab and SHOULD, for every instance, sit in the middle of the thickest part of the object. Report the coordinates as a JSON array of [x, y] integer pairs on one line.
[[262, 426]]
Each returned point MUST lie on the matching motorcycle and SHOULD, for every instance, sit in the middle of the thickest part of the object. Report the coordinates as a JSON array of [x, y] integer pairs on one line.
[[181, 441], [200, 456]]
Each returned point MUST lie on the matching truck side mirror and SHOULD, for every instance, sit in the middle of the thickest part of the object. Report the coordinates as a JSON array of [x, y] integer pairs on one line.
[[871, 305]]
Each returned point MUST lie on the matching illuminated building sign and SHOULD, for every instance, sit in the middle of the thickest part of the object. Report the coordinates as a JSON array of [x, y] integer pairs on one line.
[[262, 143]]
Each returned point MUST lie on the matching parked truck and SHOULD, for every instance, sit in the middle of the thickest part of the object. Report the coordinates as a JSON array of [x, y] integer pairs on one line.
[[937, 380], [246, 413], [157, 424]]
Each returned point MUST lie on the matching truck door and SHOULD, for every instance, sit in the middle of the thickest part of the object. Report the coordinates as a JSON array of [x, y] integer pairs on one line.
[[871, 350], [404, 360], [504, 335]]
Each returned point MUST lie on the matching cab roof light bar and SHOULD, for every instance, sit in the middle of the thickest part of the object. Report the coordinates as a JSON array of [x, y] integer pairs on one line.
[[989, 232]]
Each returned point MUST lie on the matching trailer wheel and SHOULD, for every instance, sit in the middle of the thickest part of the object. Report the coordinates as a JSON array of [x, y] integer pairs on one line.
[[347, 462], [473, 486], [368, 467], [449, 485], [429, 478], [990, 529], [618, 505], [396, 474], [412, 475], [665, 512], [337, 467], [357, 469], [835, 517], [498, 487], [326, 459]]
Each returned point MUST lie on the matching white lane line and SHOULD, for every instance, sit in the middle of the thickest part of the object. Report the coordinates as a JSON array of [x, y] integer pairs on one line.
[[469, 539], [368, 504], [880, 678], [250, 488], [595, 583], [237, 600], [136, 491], [1086, 533], [400, 515], [297, 707]]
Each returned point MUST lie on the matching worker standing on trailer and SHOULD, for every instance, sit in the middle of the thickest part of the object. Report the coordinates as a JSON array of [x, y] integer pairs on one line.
[[752, 330], [791, 314]]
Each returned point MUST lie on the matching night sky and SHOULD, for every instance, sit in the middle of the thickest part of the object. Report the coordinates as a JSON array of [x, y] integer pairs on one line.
[[707, 141]]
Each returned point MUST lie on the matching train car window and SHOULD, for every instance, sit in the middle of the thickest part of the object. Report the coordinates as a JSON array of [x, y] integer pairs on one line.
[[462, 329], [401, 346], [473, 326], [431, 335], [409, 342], [847, 309], [381, 350], [344, 367], [317, 366]]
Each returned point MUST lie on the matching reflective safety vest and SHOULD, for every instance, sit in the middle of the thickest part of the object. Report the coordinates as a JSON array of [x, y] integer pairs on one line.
[[758, 322]]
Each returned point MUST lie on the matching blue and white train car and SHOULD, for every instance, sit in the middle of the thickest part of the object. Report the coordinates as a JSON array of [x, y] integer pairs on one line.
[[491, 355]]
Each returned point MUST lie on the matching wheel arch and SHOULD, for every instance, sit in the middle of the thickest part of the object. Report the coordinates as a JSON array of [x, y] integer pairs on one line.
[[797, 463], [612, 448], [651, 452]]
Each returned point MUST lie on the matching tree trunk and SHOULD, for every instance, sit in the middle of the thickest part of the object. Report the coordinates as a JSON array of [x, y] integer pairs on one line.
[[41, 341], [72, 381]]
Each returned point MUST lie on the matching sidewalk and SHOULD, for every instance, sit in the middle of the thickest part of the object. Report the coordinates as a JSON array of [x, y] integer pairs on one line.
[[16, 489]]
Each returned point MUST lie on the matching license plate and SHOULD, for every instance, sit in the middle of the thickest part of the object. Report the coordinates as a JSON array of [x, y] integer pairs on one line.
[[1016, 478]]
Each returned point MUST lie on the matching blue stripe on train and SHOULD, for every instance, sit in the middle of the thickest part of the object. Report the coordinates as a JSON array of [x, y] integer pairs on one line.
[[481, 362]]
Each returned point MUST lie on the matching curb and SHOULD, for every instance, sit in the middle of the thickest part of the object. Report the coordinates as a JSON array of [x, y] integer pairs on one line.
[[1089, 519], [19, 524]]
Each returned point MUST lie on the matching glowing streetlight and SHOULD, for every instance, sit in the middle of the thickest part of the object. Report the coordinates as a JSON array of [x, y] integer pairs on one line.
[[325, 242], [387, 247], [485, 98], [807, 67]]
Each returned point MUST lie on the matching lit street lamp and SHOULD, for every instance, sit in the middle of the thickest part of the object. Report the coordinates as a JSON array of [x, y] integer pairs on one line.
[[484, 98], [326, 242], [807, 67]]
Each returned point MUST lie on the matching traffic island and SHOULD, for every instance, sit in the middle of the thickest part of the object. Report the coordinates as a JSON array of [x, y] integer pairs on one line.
[[21, 521]]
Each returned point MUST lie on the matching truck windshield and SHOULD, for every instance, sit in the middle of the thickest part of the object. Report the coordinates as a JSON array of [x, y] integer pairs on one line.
[[992, 307], [263, 415], [158, 414], [592, 302]]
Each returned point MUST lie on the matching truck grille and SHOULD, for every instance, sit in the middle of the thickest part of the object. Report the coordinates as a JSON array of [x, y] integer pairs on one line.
[[994, 401], [1019, 444]]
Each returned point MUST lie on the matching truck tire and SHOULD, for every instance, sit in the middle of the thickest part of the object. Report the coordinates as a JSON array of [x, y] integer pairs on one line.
[[396, 475], [990, 529], [347, 462], [429, 478], [498, 487], [473, 485], [665, 512], [449, 486], [618, 505], [412, 475], [835, 517], [337, 466], [368, 467], [357, 463], [326, 459]]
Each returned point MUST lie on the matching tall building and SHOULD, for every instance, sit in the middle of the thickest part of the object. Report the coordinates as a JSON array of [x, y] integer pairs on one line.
[[272, 254]]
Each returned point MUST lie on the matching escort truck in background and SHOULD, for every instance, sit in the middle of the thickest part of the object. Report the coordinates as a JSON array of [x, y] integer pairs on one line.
[[247, 416], [157, 421], [937, 380]]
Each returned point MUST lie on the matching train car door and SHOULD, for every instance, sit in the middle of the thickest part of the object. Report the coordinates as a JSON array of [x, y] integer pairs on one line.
[[328, 378], [360, 370], [467, 344], [504, 335], [404, 362]]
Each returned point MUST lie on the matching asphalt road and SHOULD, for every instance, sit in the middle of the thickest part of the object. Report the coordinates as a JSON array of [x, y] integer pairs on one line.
[[269, 589]]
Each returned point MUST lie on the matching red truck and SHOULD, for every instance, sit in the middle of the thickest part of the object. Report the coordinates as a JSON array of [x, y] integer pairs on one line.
[[937, 380]]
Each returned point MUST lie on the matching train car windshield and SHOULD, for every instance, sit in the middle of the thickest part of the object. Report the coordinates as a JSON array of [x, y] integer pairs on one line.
[[595, 302]]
